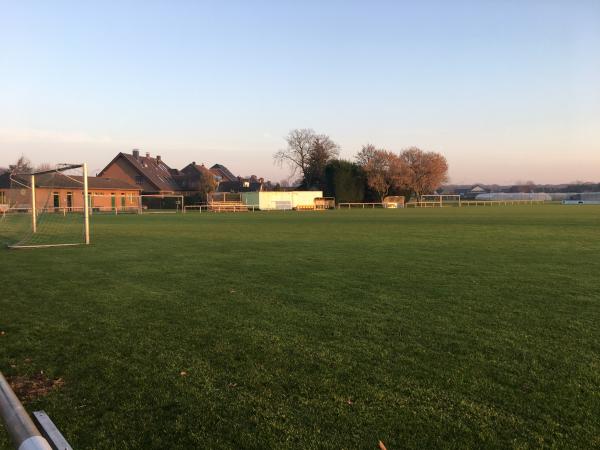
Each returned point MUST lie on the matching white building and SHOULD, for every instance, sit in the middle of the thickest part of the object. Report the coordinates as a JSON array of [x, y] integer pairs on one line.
[[281, 199], [514, 196], [586, 198]]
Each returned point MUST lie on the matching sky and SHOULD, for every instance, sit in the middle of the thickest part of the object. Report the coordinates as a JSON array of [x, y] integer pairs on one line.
[[507, 90]]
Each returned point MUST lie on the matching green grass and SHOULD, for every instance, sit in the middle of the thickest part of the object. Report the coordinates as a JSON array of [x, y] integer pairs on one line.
[[455, 328]]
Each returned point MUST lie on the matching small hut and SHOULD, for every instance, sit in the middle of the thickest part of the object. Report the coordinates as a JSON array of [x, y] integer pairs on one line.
[[393, 201]]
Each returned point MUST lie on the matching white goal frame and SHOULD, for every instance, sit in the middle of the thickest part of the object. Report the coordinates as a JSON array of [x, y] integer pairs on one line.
[[178, 208], [86, 208]]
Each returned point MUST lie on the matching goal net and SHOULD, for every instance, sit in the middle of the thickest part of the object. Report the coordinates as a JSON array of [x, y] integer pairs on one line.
[[440, 200], [44, 208], [162, 203]]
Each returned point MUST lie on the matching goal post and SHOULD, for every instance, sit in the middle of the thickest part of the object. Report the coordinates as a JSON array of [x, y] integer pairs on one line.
[[161, 203], [45, 208], [86, 206], [442, 199]]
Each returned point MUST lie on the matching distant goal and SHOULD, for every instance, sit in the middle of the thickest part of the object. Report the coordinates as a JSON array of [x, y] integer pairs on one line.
[[436, 201], [45, 208], [161, 204]]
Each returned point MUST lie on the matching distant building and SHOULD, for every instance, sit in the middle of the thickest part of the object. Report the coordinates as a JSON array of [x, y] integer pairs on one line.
[[281, 200], [251, 184], [507, 196], [58, 192], [154, 176], [586, 198], [222, 173], [466, 192], [191, 177]]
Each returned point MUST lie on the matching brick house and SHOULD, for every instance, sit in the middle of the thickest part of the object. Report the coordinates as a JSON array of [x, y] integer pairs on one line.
[[154, 176], [61, 192]]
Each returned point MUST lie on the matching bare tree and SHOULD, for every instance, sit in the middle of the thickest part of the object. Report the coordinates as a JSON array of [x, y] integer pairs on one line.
[[384, 169], [307, 154], [322, 151], [44, 166], [366, 154], [424, 171], [297, 153], [23, 165]]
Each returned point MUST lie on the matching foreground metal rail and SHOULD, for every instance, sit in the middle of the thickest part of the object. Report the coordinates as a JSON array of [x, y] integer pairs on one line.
[[19, 425]]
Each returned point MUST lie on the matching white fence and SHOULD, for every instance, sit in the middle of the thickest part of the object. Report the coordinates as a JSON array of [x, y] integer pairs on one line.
[[360, 205]]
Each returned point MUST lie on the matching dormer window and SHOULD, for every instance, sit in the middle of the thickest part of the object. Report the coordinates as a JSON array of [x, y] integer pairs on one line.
[[246, 184]]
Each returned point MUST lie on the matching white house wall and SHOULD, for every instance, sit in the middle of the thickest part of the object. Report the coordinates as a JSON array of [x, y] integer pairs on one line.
[[280, 200]]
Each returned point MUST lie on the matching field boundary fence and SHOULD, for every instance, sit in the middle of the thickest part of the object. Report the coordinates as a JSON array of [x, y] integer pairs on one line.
[[360, 205], [221, 207], [501, 202]]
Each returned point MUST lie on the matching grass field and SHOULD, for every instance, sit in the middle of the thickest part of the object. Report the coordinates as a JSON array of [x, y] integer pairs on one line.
[[454, 328]]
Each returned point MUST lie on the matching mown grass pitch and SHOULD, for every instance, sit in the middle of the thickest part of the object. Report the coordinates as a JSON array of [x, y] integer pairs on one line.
[[471, 327]]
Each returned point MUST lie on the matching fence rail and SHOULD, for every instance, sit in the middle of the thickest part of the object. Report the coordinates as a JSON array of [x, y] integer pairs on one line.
[[360, 205], [72, 209], [443, 204], [424, 204], [501, 202], [221, 207]]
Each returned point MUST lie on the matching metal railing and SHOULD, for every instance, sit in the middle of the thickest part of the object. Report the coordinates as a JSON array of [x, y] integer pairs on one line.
[[501, 202], [425, 204], [360, 205], [221, 207], [19, 425]]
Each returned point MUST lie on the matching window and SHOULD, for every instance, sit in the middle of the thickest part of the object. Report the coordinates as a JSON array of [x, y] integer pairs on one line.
[[122, 199], [69, 200], [56, 199], [246, 184], [3, 198], [139, 180]]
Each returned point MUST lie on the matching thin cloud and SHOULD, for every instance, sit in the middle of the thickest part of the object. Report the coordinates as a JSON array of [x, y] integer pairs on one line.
[[32, 135]]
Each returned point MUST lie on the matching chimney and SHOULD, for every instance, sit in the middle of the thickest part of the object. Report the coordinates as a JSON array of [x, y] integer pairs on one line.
[[193, 163], [147, 154], [158, 158], [136, 153]]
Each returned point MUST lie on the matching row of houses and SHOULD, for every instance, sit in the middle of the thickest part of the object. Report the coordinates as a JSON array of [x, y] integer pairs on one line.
[[121, 182], [153, 176]]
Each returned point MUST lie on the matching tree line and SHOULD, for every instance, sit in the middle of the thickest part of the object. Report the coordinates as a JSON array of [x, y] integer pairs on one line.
[[374, 174]]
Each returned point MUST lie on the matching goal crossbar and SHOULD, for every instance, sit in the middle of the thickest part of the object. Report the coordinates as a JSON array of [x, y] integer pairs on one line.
[[44, 245], [60, 168]]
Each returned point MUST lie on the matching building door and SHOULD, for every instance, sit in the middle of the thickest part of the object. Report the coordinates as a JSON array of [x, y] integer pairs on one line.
[[70, 200]]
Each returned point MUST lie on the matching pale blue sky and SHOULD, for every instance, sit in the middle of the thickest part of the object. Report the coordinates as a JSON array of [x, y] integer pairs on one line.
[[507, 90]]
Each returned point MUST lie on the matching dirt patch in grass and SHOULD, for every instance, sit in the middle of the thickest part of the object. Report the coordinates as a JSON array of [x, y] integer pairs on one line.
[[32, 387]]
